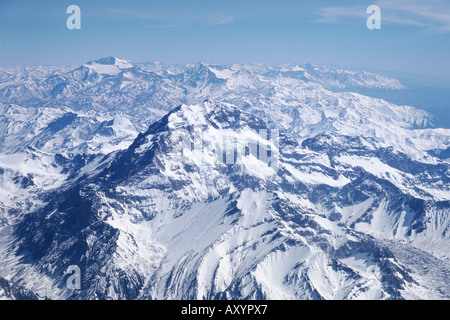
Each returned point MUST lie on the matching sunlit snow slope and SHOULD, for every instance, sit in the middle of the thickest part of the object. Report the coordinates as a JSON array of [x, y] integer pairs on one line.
[[178, 215]]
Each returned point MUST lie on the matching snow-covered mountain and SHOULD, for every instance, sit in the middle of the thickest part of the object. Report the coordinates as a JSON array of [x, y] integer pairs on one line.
[[337, 78], [282, 189], [61, 130], [295, 98], [180, 215], [151, 90]]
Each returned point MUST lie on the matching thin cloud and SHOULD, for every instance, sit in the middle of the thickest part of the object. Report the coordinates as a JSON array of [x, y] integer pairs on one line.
[[431, 15], [132, 14], [220, 20], [339, 14], [173, 21]]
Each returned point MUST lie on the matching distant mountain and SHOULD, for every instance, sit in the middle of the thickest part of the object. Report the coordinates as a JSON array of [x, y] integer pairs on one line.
[[150, 90], [336, 78], [292, 98]]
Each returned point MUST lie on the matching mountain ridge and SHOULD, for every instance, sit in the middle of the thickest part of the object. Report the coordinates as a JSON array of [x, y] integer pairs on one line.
[[157, 191]]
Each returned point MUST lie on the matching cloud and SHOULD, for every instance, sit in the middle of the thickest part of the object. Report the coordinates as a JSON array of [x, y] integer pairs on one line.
[[338, 14], [219, 20], [431, 15], [176, 19], [132, 14]]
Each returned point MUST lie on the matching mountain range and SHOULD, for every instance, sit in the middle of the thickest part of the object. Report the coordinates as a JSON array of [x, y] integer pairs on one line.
[[218, 182]]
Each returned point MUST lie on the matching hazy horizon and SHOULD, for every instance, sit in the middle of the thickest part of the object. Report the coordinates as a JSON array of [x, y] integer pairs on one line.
[[414, 35]]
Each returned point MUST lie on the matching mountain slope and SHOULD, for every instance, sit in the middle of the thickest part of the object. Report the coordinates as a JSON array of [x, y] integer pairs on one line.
[[211, 203], [290, 188]]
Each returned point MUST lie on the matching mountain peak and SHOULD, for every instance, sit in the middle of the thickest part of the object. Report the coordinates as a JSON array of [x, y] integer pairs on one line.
[[109, 65], [112, 61], [219, 115]]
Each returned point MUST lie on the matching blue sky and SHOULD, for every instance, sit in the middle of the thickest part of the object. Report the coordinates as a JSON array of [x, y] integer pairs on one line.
[[414, 35]]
